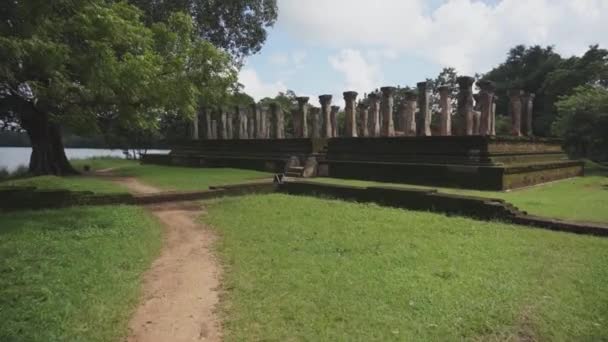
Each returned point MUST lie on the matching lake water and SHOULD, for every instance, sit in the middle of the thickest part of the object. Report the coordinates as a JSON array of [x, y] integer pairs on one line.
[[13, 157]]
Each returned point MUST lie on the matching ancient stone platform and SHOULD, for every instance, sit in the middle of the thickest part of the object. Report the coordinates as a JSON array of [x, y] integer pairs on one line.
[[474, 162]]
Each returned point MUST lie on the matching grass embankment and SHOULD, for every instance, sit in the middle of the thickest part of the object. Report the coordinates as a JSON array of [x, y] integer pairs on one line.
[[72, 183], [73, 274], [174, 177], [580, 199], [301, 268]]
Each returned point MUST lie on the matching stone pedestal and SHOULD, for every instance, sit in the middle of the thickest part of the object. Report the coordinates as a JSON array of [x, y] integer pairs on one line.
[[527, 102], [374, 115], [486, 99], [279, 121], [363, 122], [445, 120], [350, 98], [411, 102], [465, 103], [424, 109], [300, 123], [325, 101], [388, 127], [334, 121], [515, 111]]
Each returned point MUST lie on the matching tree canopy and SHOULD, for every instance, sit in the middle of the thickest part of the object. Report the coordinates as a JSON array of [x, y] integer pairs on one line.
[[77, 62]]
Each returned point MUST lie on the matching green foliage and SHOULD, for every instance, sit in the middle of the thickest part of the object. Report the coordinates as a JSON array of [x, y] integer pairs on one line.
[[582, 122], [301, 268], [235, 26], [85, 61], [73, 274]]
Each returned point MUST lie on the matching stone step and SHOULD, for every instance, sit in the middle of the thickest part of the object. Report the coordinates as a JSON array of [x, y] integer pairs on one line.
[[296, 168], [293, 174]]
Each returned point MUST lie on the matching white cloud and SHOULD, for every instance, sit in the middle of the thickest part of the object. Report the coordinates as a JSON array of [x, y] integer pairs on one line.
[[255, 87], [470, 35], [359, 74]]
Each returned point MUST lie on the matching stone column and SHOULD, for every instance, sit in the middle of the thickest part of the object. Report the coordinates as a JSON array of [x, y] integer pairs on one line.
[[334, 121], [213, 130], [527, 102], [251, 123], [374, 115], [493, 120], [241, 123], [445, 121], [277, 115], [300, 122], [388, 127], [222, 129], [409, 115], [363, 119], [195, 127], [257, 119], [325, 101], [515, 110], [208, 119], [486, 98], [424, 109], [229, 125], [350, 98], [465, 104], [316, 122]]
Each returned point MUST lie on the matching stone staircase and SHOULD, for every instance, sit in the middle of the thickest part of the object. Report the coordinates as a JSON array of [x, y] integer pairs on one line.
[[294, 171]]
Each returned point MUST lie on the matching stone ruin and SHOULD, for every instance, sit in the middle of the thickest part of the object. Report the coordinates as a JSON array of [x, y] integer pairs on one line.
[[377, 141], [374, 116]]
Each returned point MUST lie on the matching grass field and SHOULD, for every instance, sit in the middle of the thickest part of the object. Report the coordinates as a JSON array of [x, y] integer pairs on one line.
[[580, 199], [73, 183], [73, 274], [300, 268], [174, 177]]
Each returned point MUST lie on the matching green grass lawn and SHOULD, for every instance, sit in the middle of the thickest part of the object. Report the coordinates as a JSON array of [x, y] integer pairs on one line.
[[73, 183], [580, 199], [174, 177], [301, 268], [73, 274]]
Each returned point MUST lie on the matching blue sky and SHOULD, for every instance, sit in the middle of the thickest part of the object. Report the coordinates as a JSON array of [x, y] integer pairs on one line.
[[330, 46]]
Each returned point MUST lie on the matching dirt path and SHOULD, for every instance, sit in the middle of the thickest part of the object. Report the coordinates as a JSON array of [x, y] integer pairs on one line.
[[180, 290]]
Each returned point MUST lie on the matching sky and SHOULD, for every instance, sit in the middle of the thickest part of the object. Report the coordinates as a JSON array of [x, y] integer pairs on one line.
[[330, 46]]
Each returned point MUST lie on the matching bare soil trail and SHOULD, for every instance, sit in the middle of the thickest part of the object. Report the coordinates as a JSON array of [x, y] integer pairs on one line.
[[181, 289]]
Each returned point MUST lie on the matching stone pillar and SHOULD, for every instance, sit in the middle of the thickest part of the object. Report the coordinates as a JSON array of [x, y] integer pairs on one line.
[[465, 104], [241, 123], [300, 122], [251, 123], [257, 120], [445, 120], [424, 109], [527, 102], [279, 124], [208, 123], [195, 127], [515, 110], [486, 98], [316, 122], [388, 127], [213, 130], [229, 125], [409, 113], [264, 122], [363, 120], [222, 132], [493, 120], [325, 101], [350, 98], [334, 121], [374, 115]]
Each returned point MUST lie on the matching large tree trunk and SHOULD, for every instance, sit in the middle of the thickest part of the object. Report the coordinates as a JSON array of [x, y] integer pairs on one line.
[[48, 154]]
